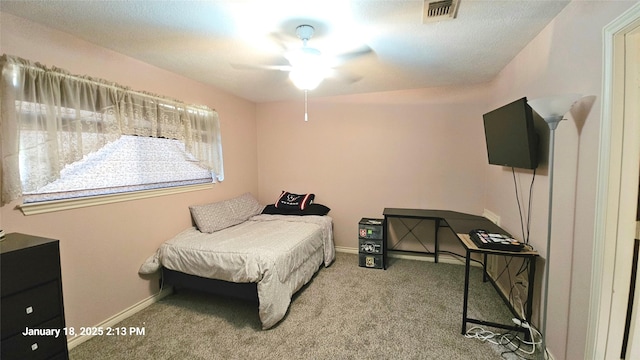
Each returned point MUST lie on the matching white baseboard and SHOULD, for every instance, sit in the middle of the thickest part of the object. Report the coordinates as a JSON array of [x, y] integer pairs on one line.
[[112, 321], [348, 250], [442, 258]]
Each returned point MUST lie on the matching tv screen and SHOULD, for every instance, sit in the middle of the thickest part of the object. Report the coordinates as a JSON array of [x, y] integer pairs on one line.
[[511, 137]]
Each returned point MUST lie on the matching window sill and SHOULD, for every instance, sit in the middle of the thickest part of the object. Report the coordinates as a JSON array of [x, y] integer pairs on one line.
[[68, 204]]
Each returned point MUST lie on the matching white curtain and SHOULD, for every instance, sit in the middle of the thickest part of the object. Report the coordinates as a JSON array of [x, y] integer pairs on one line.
[[50, 119]]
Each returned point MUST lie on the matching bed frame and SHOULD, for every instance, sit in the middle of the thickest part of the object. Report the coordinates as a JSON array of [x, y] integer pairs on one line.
[[180, 280]]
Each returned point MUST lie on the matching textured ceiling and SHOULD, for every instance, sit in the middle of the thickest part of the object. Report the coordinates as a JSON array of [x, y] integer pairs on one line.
[[207, 40]]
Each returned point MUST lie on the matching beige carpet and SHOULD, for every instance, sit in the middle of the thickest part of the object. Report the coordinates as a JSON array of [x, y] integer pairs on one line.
[[413, 310]]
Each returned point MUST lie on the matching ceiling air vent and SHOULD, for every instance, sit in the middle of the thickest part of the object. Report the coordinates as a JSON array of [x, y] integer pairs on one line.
[[439, 10]]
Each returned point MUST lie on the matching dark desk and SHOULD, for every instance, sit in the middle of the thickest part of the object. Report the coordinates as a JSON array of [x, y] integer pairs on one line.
[[460, 224]]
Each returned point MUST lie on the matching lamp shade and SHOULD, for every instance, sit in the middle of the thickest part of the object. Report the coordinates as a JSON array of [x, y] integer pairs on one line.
[[554, 106]]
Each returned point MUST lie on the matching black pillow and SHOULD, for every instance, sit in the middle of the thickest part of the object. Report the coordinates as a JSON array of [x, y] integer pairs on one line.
[[316, 209], [291, 201], [312, 209]]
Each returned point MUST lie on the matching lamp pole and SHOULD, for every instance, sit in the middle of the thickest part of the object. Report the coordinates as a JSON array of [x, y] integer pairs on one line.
[[553, 124], [552, 110]]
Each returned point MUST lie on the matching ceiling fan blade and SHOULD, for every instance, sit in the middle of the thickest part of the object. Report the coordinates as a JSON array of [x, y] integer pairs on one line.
[[261, 67], [281, 40], [361, 51], [345, 76]]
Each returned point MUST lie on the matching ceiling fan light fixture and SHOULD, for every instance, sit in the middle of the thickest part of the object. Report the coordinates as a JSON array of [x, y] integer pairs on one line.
[[308, 68], [306, 79]]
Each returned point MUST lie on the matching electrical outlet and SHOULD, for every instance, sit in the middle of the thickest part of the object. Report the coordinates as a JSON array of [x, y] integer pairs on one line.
[[493, 217]]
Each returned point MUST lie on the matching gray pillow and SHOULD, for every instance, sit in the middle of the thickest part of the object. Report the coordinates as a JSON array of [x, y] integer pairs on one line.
[[220, 215]]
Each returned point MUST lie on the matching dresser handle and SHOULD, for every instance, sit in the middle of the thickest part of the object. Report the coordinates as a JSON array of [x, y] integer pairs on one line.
[[29, 310], [34, 346]]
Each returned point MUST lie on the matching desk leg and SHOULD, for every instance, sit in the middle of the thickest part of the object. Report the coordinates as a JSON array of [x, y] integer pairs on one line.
[[385, 230], [484, 268], [435, 256], [466, 292], [532, 277]]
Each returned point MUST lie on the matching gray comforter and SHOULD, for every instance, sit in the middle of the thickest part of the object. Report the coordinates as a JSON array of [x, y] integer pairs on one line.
[[280, 253]]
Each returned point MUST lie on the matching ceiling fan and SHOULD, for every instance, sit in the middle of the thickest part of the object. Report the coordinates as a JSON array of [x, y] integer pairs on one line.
[[308, 66]]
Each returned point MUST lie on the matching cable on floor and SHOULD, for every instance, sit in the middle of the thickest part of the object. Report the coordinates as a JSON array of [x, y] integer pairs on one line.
[[511, 341]]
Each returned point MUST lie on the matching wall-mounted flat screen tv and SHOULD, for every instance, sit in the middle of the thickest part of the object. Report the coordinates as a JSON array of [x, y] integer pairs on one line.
[[511, 137]]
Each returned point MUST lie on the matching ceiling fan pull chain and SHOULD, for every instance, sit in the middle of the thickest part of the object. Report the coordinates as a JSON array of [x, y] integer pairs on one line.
[[306, 116]]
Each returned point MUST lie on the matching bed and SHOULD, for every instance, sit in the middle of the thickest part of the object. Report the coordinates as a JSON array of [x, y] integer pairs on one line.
[[239, 241]]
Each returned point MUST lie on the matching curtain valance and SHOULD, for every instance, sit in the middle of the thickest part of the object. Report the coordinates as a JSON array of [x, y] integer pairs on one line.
[[50, 119]]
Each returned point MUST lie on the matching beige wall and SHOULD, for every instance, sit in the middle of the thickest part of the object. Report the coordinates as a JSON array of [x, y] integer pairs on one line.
[[359, 154], [102, 247]]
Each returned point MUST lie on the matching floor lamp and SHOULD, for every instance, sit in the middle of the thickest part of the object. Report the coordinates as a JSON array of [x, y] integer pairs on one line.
[[552, 110]]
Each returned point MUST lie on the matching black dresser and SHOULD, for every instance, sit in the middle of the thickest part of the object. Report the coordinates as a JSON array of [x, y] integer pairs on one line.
[[32, 311]]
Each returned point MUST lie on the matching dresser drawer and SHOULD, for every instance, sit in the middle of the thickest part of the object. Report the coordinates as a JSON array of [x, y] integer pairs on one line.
[[30, 308], [25, 268], [20, 347], [366, 246]]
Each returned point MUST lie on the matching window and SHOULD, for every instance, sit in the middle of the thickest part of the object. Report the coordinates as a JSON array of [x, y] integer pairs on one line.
[[131, 163], [67, 137]]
